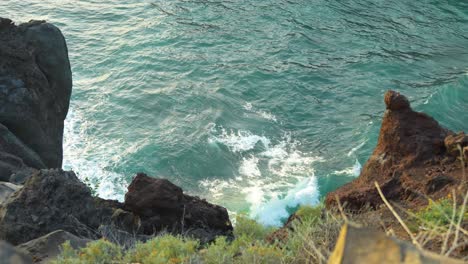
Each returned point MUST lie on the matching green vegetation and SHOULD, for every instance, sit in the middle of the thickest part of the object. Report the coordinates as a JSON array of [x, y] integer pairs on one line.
[[310, 242], [439, 213], [309, 238]]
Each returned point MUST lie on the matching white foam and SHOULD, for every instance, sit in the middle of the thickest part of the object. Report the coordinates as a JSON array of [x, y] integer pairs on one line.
[[240, 141], [107, 184], [273, 212], [263, 114], [353, 150], [270, 180], [355, 170], [249, 167]]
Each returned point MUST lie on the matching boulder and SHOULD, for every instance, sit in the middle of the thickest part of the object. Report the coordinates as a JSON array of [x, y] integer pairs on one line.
[[35, 87], [161, 205], [53, 200], [408, 161], [6, 190], [147, 196], [45, 248], [11, 255]]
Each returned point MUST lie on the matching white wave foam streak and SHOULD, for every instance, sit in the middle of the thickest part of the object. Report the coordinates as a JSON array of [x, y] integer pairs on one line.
[[355, 170], [273, 212], [353, 150], [239, 141], [107, 184], [249, 167], [263, 114], [270, 180]]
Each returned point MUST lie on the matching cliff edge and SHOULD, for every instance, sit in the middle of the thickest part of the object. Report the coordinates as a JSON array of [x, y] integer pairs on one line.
[[415, 158], [35, 90]]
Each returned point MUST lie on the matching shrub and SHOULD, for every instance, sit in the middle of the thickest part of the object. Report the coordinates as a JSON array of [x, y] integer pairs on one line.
[[250, 228], [438, 213], [163, 249], [99, 252]]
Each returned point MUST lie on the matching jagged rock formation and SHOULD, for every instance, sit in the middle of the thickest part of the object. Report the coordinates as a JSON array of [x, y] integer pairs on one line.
[[35, 89], [411, 159], [56, 200], [53, 200], [162, 205]]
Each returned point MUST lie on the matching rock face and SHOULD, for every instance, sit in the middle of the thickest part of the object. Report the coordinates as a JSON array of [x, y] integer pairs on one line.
[[51, 200], [410, 158], [11, 255], [35, 89], [161, 205], [45, 248], [54, 199]]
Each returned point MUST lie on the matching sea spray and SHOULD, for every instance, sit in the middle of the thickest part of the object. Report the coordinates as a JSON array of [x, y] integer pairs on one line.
[[274, 176]]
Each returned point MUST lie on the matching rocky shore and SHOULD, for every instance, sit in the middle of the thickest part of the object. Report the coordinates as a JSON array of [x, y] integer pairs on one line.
[[415, 158], [42, 206]]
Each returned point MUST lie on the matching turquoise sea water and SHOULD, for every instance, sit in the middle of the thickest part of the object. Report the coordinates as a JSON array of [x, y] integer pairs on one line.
[[255, 105]]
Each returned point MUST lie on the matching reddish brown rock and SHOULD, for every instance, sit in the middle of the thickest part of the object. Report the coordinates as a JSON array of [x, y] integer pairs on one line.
[[161, 205], [407, 161], [146, 196]]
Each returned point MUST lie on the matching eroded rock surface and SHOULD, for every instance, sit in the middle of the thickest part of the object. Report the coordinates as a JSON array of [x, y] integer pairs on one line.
[[53, 200], [161, 205], [35, 89], [410, 160]]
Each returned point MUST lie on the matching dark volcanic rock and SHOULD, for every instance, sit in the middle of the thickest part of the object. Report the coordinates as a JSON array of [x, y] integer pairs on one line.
[[8, 165], [9, 143], [147, 196], [35, 87], [406, 161], [45, 248], [51, 200], [162, 205]]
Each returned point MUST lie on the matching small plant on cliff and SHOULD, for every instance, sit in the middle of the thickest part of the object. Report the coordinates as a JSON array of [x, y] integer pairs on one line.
[[250, 228], [99, 252], [439, 213], [163, 249]]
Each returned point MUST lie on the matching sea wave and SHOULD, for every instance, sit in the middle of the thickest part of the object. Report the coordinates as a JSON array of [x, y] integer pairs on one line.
[[273, 176]]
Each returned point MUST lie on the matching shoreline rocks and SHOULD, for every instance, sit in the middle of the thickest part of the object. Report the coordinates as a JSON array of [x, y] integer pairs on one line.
[[35, 89], [412, 159], [161, 205], [52, 200]]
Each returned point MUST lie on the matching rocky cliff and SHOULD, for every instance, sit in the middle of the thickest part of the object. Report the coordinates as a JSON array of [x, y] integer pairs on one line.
[[35, 89], [41, 205], [415, 158]]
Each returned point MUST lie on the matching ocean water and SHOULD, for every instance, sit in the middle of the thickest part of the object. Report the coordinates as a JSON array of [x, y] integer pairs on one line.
[[258, 106]]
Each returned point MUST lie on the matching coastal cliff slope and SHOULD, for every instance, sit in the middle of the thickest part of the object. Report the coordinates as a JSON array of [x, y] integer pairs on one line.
[[35, 89]]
